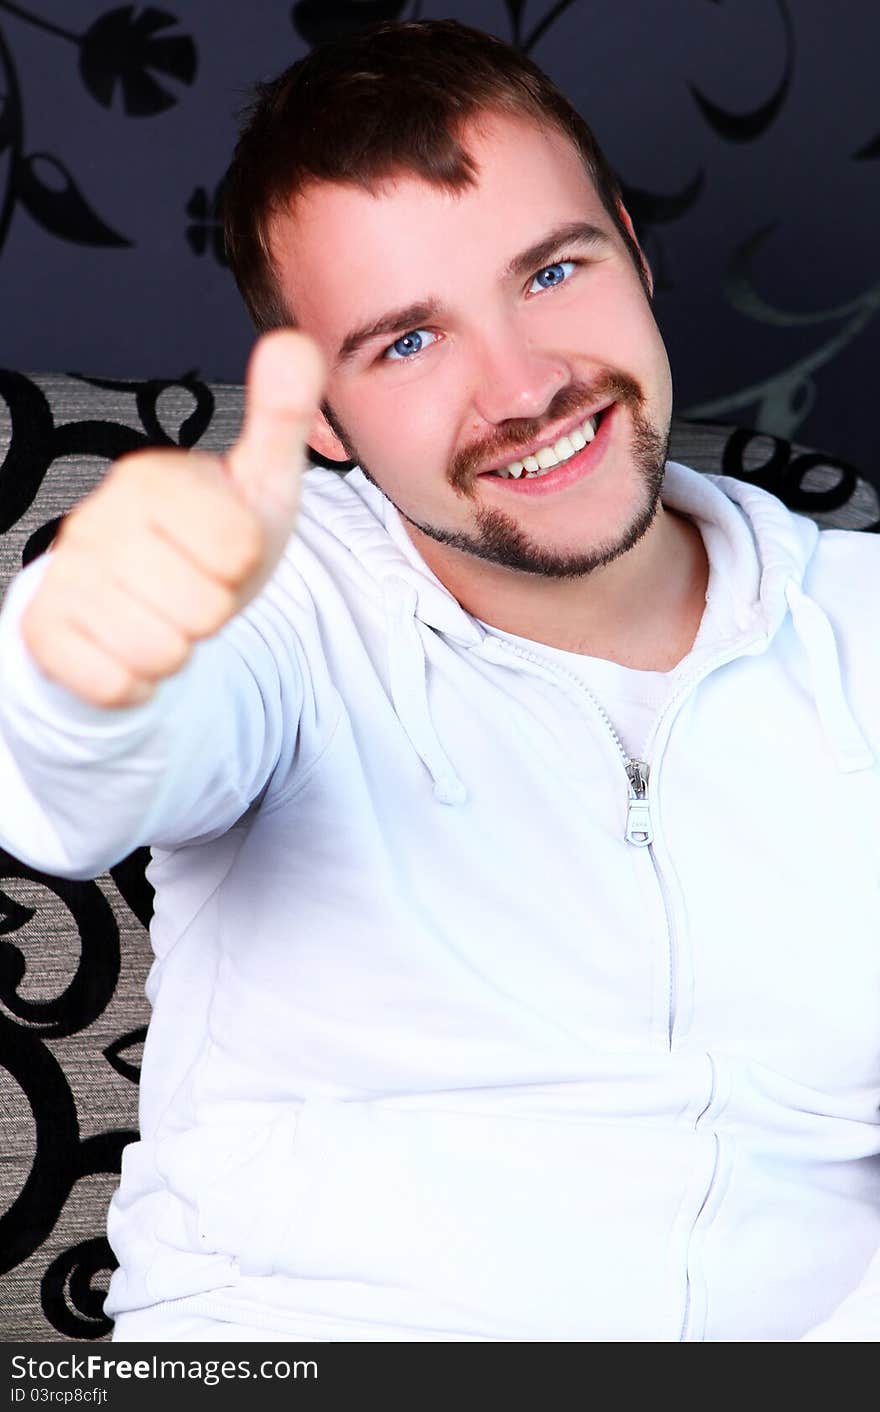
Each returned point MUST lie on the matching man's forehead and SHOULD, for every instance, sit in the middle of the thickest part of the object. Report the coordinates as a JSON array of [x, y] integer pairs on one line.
[[522, 169], [503, 148]]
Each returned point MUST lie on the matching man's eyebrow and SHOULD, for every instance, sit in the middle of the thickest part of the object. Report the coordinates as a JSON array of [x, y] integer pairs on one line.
[[537, 255], [395, 321], [426, 310]]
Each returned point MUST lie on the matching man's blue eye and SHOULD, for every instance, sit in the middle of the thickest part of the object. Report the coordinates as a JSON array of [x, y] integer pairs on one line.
[[409, 343], [551, 275]]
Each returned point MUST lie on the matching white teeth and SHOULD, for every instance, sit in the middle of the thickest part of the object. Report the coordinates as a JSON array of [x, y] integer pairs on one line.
[[548, 456], [564, 448]]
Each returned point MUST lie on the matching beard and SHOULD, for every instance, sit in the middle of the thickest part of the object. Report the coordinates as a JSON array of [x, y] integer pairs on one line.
[[496, 536]]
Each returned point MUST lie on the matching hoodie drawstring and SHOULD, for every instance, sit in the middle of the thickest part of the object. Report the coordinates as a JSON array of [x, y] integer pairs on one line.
[[409, 689], [846, 741]]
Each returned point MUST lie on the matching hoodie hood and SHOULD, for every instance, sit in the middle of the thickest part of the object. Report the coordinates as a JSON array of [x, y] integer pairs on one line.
[[750, 535], [758, 550]]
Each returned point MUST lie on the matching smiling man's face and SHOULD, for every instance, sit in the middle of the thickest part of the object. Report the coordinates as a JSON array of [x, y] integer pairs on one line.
[[467, 332]]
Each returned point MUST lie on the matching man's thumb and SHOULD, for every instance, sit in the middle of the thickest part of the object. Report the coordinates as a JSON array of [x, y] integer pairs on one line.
[[285, 378]]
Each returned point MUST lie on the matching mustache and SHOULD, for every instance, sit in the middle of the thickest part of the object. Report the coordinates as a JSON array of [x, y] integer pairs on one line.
[[500, 447]]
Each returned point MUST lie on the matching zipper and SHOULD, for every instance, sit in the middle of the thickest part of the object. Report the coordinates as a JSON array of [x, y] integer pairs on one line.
[[640, 833], [639, 830], [639, 827], [687, 1317], [687, 1314]]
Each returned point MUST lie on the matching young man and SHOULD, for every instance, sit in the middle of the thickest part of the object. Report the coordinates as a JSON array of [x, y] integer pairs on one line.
[[513, 819]]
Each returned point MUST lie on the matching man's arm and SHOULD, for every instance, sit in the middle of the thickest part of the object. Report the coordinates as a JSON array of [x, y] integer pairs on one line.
[[138, 698]]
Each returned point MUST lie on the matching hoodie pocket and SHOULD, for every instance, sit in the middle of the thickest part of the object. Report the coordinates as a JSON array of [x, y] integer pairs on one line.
[[511, 1226], [247, 1191]]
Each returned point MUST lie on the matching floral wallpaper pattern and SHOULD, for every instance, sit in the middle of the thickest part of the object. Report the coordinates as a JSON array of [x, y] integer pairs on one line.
[[746, 137]]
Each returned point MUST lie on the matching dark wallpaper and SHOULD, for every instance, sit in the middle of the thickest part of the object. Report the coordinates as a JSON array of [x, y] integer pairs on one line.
[[746, 135]]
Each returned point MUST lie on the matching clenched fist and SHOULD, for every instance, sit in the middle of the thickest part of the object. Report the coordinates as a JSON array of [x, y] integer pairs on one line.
[[172, 544]]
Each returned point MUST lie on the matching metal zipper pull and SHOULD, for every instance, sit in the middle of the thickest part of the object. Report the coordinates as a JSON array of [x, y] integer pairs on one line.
[[638, 814]]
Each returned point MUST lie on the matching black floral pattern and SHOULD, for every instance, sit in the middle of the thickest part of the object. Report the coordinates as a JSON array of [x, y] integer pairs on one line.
[[127, 50], [86, 921], [736, 81], [526, 41], [745, 127], [316, 21], [205, 231], [73, 1303], [870, 152], [121, 50]]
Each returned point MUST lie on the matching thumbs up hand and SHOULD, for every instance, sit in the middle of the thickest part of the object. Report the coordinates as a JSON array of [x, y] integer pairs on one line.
[[171, 545]]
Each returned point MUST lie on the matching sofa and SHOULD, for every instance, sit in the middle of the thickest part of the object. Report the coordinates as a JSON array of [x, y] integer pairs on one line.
[[74, 956]]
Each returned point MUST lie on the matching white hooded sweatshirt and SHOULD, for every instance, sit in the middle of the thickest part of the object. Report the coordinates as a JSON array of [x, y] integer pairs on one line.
[[455, 1035]]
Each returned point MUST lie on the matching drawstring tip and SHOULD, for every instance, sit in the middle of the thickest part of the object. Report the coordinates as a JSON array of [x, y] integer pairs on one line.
[[449, 790], [854, 757]]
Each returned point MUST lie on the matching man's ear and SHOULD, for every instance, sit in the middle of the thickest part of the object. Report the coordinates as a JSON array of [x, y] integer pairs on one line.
[[627, 221], [323, 439]]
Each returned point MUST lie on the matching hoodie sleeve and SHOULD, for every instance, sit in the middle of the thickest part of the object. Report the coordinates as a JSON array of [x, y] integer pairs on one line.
[[81, 786]]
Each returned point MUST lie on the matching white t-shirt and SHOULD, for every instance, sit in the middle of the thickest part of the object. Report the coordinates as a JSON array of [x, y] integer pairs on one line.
[[632, 699]]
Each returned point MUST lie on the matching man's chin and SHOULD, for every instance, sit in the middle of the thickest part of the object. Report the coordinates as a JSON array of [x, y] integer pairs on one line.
[[499, 540]]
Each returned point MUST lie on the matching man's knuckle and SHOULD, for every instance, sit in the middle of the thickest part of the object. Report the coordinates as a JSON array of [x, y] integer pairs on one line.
[[113, 686], [176, 653], [216, 606]]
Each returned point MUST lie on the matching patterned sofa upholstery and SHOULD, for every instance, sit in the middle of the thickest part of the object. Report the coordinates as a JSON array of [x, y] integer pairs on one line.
[[74, 956]]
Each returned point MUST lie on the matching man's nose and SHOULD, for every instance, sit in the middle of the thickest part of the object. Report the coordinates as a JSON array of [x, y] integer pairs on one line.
[[515, 380]]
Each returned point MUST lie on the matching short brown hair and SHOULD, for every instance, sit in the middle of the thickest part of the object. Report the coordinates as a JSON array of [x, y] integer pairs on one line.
[[387, 99]]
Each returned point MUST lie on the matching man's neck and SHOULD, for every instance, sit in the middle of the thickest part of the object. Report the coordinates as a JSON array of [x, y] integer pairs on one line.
[[643, 610]]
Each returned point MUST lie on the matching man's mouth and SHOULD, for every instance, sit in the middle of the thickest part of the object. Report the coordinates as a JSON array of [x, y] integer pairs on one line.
[[554, 454]]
